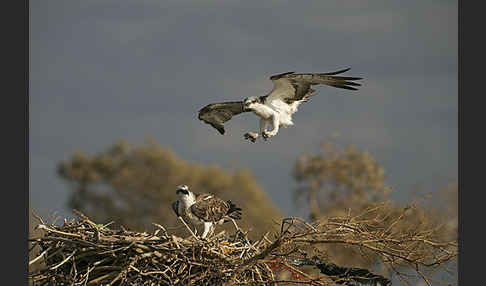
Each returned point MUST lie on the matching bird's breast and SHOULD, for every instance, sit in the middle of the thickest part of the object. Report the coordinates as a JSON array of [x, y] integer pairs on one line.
[[264, 111]]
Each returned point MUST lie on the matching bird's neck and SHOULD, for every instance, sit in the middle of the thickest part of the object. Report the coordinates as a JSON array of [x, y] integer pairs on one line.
[[188, 201]]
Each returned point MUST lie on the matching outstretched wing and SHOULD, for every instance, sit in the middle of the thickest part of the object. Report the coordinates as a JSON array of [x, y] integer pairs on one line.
[[209, 208], [291, 86], [217, 114]]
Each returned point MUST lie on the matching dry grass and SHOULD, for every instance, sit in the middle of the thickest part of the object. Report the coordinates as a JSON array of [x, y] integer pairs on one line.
[[81, 252]]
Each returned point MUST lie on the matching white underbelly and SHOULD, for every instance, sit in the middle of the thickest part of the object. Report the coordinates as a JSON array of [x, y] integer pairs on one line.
[[279, 109], [285, 120], [284, 112]]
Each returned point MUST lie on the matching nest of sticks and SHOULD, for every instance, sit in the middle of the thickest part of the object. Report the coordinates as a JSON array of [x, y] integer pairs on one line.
[[81, 252]]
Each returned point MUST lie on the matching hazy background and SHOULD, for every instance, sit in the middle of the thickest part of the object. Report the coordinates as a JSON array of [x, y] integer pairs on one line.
[[101, 71]]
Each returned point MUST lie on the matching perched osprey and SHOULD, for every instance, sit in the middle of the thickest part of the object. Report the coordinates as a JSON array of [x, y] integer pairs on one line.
[[204, 209], [289, 91]]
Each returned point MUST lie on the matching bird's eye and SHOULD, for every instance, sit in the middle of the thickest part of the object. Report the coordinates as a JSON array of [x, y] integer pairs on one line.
[[182, 190]]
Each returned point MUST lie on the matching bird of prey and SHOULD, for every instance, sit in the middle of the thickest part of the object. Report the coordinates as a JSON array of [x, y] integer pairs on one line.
[[205, 209], [276, 108]]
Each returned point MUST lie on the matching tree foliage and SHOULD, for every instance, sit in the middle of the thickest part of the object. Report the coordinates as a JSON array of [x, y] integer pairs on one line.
[[354, 223], [136, 185], [347, 182], [338, 179]]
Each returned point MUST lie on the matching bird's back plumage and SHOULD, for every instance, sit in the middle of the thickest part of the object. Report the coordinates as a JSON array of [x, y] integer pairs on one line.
[[213, 209]]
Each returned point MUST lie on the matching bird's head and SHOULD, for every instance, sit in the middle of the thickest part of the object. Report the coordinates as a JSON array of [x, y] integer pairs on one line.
[[250, 102], [184, 194], [182, 190]]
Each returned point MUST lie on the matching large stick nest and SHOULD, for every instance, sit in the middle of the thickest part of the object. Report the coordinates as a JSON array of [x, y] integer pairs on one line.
[[81, 252]]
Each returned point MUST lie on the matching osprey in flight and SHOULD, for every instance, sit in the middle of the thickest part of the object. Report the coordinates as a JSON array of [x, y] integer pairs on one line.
[[289, 91], [204, 209]]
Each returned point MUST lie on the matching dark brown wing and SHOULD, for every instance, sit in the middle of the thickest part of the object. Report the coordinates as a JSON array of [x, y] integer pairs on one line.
[[345, 82], [291, 86], [175, 208], [210, 208], [217, 114]]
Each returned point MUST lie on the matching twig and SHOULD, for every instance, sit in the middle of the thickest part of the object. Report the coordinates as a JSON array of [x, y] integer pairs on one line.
[[37, 217], [422, 275], [188, 228], [129, 258], [64, 261], [40, 255], [41, 226]]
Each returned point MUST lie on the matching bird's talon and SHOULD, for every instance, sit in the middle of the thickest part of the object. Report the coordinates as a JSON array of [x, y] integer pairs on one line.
[[251, 136], [265, 135]]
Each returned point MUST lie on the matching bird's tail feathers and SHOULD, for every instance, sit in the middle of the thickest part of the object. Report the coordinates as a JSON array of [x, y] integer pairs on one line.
[[234, 212]]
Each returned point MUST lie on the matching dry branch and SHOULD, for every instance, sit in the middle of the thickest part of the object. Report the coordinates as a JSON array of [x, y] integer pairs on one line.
[[81, 252]]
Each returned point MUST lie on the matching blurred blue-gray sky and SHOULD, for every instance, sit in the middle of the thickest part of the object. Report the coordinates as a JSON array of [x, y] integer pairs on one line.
[[102, 70]]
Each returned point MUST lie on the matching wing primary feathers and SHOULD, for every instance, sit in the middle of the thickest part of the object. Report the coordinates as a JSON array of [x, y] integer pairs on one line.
[[280, 75], [290, 87], [216, 114], [351, 83], [344, 77], [220, 128], [336, 72], [345, 82], [343, 86]]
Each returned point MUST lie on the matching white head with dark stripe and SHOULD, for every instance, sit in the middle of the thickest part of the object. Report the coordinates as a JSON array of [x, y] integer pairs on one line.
[[186, 197], [249, 103]]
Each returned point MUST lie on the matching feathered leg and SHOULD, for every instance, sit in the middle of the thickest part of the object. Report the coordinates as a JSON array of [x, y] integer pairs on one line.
[[207, 228], [263, 125], [263, 128], [276, 125]]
